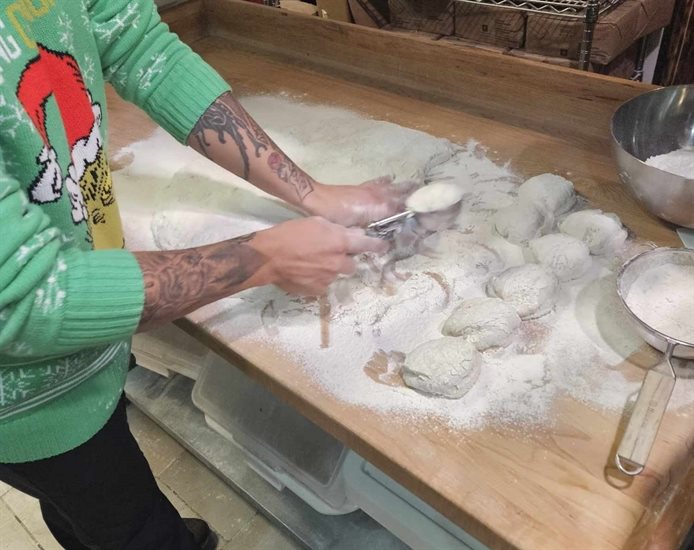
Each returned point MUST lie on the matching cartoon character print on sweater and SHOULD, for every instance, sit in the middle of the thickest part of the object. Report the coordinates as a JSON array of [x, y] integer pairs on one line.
[[57, 76]]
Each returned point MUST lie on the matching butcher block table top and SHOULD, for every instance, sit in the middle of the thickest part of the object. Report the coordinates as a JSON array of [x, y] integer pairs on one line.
[[547, 488]]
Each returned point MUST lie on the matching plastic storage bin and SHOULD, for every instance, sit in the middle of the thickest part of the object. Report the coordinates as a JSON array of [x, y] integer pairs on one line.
[[169, 349], [280, 444], [405, 515], [290, 451]]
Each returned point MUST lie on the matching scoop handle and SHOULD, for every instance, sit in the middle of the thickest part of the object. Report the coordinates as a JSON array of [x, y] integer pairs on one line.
[[645, 420]]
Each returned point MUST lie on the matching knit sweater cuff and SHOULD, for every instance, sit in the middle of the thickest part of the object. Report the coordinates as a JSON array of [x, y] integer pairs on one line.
[[191, 87], [104, 298]]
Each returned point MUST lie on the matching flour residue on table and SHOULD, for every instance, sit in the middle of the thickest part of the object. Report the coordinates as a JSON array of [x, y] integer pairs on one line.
[[353, 343]]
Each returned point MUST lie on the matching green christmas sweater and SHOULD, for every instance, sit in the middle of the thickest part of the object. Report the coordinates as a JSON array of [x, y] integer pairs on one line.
[[70, 295]]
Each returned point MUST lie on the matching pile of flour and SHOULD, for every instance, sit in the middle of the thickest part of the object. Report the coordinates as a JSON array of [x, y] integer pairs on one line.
[[376, 319], [679, 162]]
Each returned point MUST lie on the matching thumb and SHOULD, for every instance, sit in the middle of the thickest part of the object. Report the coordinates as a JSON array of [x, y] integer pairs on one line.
[[359, 243]]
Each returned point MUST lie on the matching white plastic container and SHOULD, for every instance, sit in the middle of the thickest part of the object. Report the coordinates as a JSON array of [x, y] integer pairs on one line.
[[289, 451], [168, 350], [405, 515], [280, 444]]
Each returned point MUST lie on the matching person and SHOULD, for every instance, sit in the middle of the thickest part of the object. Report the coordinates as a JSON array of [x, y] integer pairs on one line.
[[71, 295]]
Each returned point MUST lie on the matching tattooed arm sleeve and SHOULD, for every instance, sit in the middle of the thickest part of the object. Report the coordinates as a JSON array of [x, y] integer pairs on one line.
[[227, 135], [180, 281]]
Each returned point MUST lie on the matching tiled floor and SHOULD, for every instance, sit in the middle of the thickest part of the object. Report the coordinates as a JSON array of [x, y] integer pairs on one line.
[[190, 486]]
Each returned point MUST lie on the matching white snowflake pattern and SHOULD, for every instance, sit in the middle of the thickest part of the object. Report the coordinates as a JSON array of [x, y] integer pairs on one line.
[[49, 299], [38, 241], [20, 348], [108, 30], [155, 67], [13, 166], [12, 117], [51, 296], [85, 14], [65, 33], [67, 239], [117, 76], [88, 70]]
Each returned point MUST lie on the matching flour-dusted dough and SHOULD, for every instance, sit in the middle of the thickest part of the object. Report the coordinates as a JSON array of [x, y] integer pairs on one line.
[[602, 233], [522, 221], [484, 322], [530, 289], [447, 367], [567, 257], [551, 193], [434, 197]]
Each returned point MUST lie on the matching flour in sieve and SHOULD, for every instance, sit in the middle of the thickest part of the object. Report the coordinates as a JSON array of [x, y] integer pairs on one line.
[[663, 297]]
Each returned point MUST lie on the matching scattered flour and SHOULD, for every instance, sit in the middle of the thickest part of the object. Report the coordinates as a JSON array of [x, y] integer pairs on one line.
[[663, 297], [172, 197], [679, 162]]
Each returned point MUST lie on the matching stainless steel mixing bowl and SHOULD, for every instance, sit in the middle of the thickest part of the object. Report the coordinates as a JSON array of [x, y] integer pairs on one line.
[[651, 124]]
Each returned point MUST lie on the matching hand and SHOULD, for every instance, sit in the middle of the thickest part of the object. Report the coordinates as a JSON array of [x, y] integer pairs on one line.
[[305, 256], [358, 205]]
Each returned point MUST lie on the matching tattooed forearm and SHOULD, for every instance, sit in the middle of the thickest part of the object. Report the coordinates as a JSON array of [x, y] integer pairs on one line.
[[290, 173], [225, 117], [228, 135], [180, 281]]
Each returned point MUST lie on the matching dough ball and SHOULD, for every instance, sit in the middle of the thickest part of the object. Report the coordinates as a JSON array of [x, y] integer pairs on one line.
[[484, 322], [549, 192], [567, 257], [434, 197], [602, 233], [530, 289], [522, 221], [447, 367]]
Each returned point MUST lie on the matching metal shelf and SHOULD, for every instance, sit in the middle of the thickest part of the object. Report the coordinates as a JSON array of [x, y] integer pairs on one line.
[[577, 9], [587, 11]]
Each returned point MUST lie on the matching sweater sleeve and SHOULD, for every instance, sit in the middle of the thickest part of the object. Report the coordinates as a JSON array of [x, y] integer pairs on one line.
[[149, 66], [55, 299]]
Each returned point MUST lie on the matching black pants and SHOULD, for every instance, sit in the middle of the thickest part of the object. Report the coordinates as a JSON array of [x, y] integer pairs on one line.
[[102, 495]]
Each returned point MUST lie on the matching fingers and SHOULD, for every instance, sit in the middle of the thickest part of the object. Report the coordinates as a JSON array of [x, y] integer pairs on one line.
[[359, 243], [347, 266]]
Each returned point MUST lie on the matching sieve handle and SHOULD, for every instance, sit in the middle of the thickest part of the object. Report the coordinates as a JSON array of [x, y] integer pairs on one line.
[[648, 412]]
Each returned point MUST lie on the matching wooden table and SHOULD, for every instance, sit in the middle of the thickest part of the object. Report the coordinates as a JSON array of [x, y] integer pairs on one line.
[[550, 488]]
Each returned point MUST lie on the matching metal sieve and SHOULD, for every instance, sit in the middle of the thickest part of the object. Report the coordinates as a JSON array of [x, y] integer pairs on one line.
[[659, 382]]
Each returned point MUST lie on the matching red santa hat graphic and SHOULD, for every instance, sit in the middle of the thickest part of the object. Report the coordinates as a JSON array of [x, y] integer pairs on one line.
[[57, 75]]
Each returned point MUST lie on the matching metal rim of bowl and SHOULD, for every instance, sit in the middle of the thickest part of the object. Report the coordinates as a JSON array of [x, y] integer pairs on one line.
[[627, 102], [627, 264]]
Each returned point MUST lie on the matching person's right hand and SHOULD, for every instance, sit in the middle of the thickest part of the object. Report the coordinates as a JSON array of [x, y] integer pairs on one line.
[[305, 256]]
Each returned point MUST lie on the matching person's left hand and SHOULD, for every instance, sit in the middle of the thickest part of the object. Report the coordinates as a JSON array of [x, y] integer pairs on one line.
[[351, 205]]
